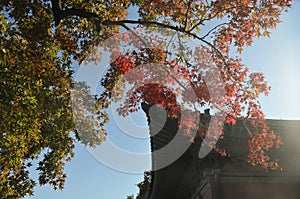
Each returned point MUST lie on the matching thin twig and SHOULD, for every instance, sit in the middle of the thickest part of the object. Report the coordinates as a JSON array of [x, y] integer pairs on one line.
[[208, 33], [186, 14], [135, 34]]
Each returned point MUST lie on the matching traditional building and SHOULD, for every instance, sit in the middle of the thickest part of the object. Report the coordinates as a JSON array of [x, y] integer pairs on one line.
[[217, 177]]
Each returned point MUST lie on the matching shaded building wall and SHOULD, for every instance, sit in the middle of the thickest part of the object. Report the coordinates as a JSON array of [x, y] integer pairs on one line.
[[187, 177]]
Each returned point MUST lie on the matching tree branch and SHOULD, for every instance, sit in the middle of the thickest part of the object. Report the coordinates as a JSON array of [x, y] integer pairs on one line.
[[186, 14], [176, 28], [141, 22], [135, 34], [208, 33], [59, 14]]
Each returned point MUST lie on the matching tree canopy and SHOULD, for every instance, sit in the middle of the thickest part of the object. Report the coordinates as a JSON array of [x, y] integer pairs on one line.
[[41, 40]]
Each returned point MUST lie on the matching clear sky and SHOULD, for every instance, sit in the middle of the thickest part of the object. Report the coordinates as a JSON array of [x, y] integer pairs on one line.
[[278, 58]]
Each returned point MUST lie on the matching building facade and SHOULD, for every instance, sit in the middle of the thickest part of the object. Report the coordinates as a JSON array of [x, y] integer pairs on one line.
[[217, 177]]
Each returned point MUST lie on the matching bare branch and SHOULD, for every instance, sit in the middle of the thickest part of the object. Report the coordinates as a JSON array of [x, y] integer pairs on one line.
[[208, 33]]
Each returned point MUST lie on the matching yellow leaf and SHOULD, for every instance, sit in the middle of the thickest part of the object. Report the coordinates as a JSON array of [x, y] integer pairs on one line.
[[266, 34]]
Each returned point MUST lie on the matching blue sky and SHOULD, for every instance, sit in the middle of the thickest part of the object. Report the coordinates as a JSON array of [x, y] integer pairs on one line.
[[278, 58]]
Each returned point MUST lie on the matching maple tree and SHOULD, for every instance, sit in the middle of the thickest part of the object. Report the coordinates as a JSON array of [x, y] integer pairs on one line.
[[40, 39]]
